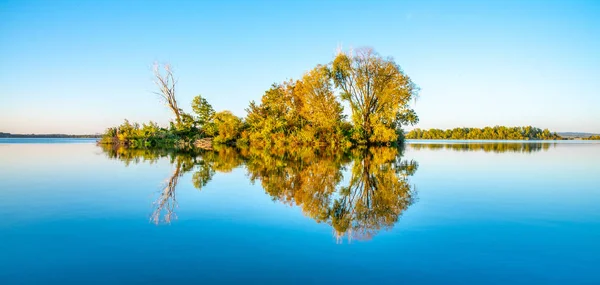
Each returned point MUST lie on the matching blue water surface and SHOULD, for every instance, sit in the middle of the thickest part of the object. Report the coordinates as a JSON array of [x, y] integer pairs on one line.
[[482, 215], [46, 140]]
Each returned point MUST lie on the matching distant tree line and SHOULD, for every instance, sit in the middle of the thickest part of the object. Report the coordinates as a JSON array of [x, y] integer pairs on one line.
[[306, 111], [593, 137], [9, 135], [487, 133]]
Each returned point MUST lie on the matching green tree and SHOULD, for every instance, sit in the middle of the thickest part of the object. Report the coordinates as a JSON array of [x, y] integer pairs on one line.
[[204, 111]]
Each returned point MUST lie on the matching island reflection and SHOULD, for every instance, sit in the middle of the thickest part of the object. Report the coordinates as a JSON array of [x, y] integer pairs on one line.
[[373, 196], [497, 147]]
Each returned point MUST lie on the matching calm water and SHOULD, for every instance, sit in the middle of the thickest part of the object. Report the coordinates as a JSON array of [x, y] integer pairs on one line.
[[433, 213]]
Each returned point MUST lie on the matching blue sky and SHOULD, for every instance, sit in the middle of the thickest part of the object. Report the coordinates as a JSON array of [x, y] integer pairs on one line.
[[81, 66]]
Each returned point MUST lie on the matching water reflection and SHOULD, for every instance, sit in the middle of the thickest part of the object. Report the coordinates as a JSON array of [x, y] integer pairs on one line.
[[183, 162], [519, 147], [358, 193], [165, 204]]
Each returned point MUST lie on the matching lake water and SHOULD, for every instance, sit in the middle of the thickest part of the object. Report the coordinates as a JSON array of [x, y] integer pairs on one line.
[[434, 213]]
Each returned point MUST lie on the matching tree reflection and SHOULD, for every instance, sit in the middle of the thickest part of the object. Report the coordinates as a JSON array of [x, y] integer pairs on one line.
[[165, 204], [307, 178], [358, 192], [376, 196], [518, 147]]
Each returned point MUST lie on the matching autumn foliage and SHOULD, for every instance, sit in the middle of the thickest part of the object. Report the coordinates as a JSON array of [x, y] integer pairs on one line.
[[306, 111]]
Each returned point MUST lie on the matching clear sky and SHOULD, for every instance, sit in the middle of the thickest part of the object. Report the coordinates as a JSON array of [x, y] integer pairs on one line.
[[81, 66]]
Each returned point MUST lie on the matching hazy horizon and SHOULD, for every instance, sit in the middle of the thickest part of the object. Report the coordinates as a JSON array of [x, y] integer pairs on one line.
[[78, 67]]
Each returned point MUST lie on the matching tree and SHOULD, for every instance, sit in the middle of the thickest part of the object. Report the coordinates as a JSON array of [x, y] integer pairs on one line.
[[319, 105], [378, 92], [320, 111], [277, 116], [164, 79], [227, 127], [300, 112], [203, 110]]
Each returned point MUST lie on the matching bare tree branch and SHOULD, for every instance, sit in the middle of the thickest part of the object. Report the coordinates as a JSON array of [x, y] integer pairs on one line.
[[166, 85]]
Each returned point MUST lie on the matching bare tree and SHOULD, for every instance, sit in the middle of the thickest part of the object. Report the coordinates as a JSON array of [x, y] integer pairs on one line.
[[164, 79], [166, 201]]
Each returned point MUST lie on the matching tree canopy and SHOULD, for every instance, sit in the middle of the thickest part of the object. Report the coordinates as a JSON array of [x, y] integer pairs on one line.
[[378, 92], [304, 111], [204, 111]]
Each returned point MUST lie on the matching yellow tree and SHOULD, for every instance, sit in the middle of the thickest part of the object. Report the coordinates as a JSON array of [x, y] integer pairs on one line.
[[319, 104], [319, 107], [227, 127], [277, 116], [378, 92]]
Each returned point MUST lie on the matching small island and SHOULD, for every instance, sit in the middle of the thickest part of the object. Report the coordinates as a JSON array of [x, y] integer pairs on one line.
[[303, 112]]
